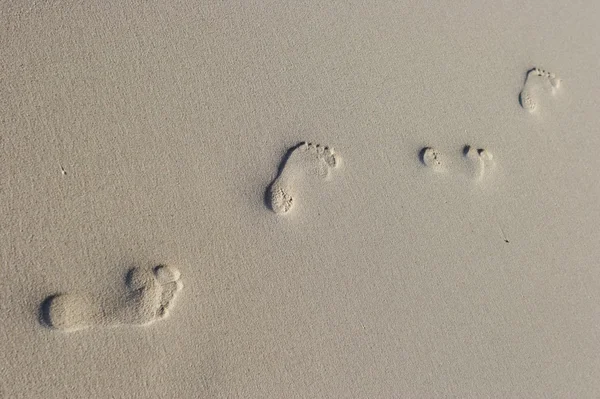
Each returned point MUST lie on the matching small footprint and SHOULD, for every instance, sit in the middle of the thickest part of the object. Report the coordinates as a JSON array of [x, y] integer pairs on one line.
[[150, 294], [304, 159], [473, 164], [537, 81]]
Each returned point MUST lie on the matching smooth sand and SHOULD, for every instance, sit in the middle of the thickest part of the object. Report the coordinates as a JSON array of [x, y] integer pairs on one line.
[[138, 134]]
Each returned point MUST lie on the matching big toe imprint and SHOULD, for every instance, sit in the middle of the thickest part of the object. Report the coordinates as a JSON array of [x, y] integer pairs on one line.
[[150, 294], [306, 159]]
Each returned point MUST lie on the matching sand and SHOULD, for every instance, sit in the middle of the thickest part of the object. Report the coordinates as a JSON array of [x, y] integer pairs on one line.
[[168, 232]]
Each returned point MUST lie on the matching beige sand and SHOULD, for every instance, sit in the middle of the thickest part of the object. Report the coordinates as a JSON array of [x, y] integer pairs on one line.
[[137, 134]]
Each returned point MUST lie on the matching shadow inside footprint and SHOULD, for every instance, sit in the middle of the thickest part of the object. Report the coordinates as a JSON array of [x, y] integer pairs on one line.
[[523, 101], [287, 156], [422, 155], [44, 316], [267, 199]]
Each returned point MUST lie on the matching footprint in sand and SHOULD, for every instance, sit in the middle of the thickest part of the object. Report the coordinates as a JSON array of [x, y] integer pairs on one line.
[[537, 81], [148, 298], [306, 159], [433, 159], [477, 162], [474, 165]]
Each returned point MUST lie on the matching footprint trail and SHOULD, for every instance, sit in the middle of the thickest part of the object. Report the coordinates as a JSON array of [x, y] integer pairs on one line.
[[149, 296], [306, 159]]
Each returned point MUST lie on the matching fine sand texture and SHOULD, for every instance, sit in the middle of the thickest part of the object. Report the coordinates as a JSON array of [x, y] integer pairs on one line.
[[259, 199]]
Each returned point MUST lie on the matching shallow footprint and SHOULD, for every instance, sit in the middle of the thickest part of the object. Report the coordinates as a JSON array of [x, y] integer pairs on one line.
[[304, 159], [474, 165], [537, 81], [150, 294], [477, 161]]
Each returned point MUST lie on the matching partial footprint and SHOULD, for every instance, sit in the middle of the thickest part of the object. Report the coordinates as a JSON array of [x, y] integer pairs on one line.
[[476, 162], [149, 296], [302, 160], [433, 159], [474, 165], [537, 82]]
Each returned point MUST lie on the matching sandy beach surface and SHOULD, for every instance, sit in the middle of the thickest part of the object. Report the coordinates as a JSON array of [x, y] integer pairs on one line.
[[269, 199]]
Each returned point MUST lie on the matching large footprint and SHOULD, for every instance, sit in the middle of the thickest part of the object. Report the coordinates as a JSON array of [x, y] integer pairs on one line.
[[475, 164], [150, 294], [536, 82], [304, 159]]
